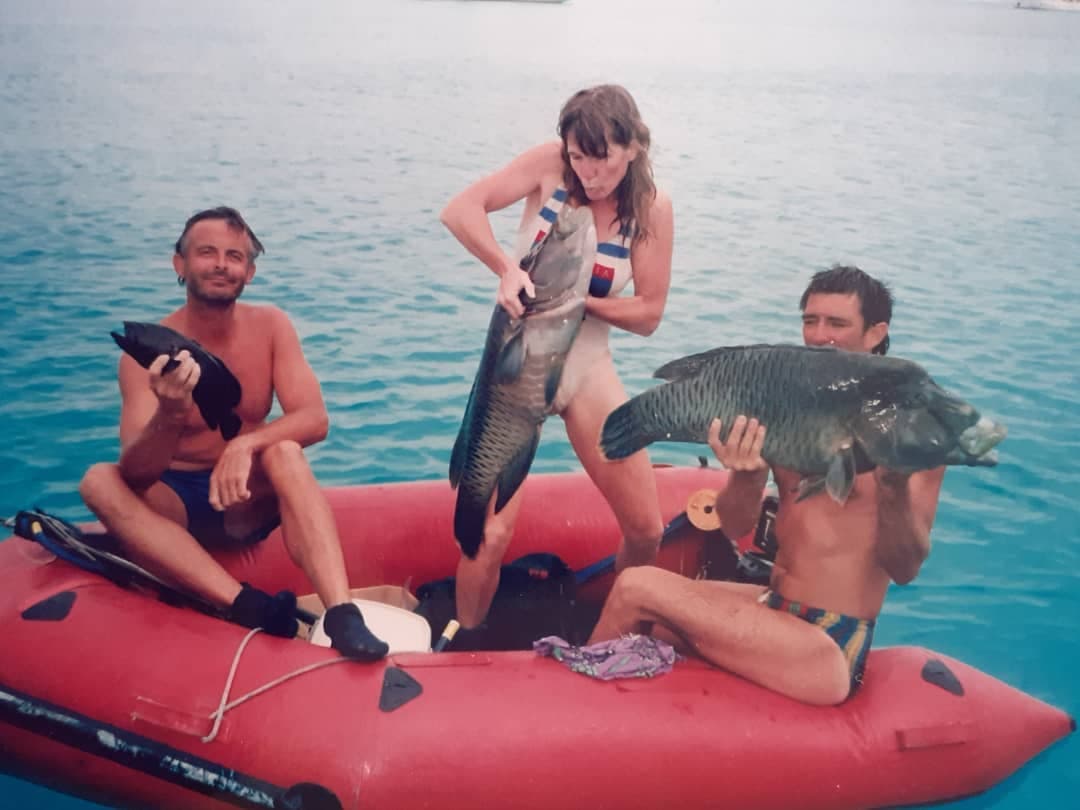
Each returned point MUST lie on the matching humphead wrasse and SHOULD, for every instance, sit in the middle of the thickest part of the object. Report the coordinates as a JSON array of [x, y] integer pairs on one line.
[[829, 414], [216, 393], [519, 375]]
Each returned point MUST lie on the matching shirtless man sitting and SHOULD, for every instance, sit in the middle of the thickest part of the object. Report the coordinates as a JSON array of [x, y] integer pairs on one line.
[[806, 635], [180, 488]]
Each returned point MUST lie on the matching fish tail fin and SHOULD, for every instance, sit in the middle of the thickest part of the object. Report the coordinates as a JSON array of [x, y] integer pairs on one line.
[[624, 432], [673, 412], [469, 516], [230, 425], [470, 512]]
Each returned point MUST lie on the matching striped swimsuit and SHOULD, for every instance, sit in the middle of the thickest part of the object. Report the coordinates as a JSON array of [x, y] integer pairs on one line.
[[611, 273], [852, 636]]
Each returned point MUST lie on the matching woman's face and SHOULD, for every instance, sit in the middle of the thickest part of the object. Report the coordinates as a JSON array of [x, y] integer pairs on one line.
[[600, 176]]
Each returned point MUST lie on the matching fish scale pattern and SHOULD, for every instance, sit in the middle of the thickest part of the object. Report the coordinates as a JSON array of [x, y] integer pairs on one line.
[[812, 401]]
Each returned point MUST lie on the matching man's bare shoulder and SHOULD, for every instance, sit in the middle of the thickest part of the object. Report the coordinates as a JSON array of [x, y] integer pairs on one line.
[[268, 317]]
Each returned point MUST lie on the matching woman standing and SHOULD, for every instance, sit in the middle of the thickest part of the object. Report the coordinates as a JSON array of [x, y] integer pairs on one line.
[[602, 162]]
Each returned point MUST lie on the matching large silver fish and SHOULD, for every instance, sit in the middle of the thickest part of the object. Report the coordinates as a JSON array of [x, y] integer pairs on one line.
[[519, 374], [829, 414]]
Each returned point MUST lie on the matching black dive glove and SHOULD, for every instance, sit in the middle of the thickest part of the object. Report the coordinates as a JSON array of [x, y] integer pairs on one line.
[[274, 614]]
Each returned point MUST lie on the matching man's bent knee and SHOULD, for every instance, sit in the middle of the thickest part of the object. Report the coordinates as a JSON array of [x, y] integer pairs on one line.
[[100, 480], [633, 584], [282, 454]]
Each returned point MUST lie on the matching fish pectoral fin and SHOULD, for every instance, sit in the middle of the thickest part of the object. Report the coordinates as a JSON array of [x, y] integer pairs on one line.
[[511, 359], [172, 362], [958, 457], [551, 384], [528, 261], [840, 477], [513, 474], [206, 409], [230, 426]]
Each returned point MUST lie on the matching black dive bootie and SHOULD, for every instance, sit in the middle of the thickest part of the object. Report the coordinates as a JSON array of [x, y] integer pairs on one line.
[[274, 614], [344, 624]]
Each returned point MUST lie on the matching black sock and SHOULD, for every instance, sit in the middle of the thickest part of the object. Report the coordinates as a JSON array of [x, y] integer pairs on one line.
[[344, 624]]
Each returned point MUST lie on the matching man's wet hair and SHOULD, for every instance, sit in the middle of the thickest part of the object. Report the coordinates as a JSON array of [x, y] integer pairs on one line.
[[875, 297], [229, 215]]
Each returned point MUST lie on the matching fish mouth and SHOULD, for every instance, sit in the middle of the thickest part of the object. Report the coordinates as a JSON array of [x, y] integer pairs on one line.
[[571, 220], [978, 439]]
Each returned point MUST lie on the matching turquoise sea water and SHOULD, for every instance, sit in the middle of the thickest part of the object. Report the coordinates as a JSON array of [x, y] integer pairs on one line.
[[932, 143]]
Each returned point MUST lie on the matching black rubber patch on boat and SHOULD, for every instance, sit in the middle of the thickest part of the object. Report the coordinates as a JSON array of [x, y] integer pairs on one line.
[[54, 609], [307, 796], [935, 672], [398, 688]]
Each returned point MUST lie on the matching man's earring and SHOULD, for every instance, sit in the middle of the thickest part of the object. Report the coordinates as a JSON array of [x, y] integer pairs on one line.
[[180, 281]]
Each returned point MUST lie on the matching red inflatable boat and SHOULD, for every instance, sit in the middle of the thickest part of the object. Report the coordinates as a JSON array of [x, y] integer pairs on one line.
[[111, 694]]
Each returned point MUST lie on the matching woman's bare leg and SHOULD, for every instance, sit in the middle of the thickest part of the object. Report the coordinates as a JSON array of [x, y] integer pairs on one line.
[[478, 579], [629, 485]]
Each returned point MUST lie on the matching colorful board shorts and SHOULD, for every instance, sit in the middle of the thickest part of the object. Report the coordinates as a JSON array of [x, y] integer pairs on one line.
[[852, 636]]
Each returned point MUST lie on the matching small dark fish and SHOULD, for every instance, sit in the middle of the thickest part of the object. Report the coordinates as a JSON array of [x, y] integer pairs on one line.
[[829, 414], [217, 393], [519, 375]]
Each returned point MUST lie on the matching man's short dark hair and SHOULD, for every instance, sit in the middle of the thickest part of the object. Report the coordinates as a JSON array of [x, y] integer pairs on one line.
[[230, 216], [875, 297]]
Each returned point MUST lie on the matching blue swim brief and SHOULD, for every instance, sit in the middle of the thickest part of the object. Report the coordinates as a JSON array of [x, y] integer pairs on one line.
[[205, 523], [853, 636]]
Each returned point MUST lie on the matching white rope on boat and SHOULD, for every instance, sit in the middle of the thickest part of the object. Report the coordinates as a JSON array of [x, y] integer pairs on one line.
[[226, 705]]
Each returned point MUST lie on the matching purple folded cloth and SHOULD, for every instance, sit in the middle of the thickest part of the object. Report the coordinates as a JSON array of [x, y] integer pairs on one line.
[[632, 656]]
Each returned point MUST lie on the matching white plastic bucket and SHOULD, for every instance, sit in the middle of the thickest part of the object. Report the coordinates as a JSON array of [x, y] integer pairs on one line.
[[403, 630]]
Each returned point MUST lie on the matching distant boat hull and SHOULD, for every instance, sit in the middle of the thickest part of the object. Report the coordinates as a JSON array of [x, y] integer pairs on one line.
[[1039, 5]]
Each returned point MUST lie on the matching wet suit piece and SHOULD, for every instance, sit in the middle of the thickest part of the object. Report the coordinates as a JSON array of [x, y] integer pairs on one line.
[[852, 636], [206, 524]]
